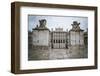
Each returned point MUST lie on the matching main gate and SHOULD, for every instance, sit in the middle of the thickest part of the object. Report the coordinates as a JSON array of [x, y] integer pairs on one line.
[[59, 44], [59, 39]]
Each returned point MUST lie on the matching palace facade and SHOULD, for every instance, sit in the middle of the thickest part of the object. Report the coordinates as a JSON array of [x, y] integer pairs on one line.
[[43, 38], [59, 39]]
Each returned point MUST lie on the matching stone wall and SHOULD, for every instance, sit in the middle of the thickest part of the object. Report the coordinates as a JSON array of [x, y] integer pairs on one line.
[[76, 38], [41, 37]]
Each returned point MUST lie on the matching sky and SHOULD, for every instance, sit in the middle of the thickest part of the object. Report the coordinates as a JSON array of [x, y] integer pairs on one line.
[[57, 22]]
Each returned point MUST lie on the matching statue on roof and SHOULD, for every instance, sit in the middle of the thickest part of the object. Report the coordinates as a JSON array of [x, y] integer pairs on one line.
[[42, 22], [42, 25], [75, 25]]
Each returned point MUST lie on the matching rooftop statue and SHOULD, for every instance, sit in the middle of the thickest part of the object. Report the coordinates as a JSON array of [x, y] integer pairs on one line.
[[42, 22], [42, 25], [75, 26]]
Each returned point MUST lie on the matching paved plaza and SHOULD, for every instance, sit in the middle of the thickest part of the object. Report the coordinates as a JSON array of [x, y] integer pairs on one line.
[[53, 54]]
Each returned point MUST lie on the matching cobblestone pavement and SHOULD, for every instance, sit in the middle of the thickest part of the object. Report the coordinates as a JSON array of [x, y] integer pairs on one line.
[[53, 54], [58, 54]]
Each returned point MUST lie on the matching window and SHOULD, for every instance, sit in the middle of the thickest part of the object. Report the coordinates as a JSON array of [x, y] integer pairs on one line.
[[63, 41], [59, 41], [54, 41]]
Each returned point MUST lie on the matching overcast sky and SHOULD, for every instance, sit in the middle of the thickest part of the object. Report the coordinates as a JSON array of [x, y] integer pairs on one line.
[[57, 21]]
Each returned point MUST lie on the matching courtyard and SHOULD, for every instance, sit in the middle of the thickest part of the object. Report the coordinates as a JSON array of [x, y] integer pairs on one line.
[[53, 54]]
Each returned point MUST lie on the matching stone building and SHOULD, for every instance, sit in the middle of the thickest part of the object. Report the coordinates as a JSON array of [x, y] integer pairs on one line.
[[86, 38], [30, 44], [40, 35], [59, 39], [57, 44], [76, 35]]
